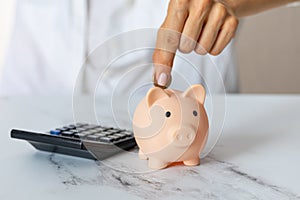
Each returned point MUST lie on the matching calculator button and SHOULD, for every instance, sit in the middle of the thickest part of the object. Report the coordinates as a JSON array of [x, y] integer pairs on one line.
[[67, 133], [106, 132], [80, 135], [71, 126], [87, 132], [55, 132], [62, 129], [73, 131], [105, 139], [127, 133], [100, 129], [100, 134], [120, 135], [93, 131], [115, 131], [92, 137], [114, 138], [66, 127], [80, 129]]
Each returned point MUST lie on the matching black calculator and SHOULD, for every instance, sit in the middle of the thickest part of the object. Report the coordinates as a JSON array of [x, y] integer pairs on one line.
[[81, 140]]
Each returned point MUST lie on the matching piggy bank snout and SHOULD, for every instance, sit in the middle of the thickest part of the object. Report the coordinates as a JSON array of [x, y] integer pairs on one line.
[[183, 137]]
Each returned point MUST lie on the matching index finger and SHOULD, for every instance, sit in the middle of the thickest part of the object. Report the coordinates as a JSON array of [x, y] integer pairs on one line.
[[168, 39]]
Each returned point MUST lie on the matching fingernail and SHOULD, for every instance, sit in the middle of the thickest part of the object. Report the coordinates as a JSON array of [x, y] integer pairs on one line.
[[163, 79]]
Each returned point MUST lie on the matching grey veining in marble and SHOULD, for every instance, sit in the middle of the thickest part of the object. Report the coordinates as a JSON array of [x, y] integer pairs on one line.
[[213, 179]]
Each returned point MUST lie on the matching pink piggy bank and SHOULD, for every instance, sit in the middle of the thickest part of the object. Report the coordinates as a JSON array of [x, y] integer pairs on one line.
[[171, 126]]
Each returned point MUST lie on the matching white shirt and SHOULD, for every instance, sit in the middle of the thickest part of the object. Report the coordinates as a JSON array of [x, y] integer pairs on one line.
[[51, 39]]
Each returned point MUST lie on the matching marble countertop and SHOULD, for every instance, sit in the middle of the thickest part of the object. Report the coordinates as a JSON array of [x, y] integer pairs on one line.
[[257, 157]]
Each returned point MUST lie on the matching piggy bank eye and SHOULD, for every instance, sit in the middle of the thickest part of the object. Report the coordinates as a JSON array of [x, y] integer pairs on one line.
[[168, 114], [195, 113]]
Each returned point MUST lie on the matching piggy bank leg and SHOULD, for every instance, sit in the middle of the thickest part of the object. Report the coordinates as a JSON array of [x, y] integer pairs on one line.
[[142, 155], [155, 163], [192, 162]]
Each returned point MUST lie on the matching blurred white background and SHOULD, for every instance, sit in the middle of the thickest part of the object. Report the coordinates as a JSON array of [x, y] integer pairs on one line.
[[268, 47], [6, 21]]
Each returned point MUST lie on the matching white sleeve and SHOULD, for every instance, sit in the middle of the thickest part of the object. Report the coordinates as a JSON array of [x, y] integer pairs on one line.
[[294, 4]]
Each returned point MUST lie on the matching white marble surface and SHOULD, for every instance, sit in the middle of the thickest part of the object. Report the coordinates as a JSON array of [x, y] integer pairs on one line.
[[257, 157]]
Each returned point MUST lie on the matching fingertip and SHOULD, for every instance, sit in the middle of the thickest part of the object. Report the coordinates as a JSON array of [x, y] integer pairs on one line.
[[162, 79], [162, 76], [215, 52], [200, 50]]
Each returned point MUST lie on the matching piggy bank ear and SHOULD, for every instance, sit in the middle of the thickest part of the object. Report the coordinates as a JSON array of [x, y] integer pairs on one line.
[[197, 92], [155, 94]]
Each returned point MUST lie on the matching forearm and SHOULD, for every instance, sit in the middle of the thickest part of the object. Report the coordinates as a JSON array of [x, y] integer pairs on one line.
[[241, 8]]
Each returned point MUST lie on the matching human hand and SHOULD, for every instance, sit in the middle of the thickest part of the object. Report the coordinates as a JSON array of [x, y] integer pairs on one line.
[[203, 26]]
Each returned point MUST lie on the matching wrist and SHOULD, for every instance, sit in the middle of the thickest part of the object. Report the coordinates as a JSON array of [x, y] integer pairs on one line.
[[241, 8]]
